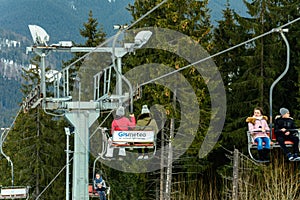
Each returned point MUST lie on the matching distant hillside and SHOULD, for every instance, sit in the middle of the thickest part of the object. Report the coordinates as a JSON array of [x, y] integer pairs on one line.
[[62, 19], [10, 99]]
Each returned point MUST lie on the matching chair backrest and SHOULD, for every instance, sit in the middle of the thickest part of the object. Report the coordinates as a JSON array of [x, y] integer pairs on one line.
[[145, 135], [14, 193], [91, 189], [273, 137]]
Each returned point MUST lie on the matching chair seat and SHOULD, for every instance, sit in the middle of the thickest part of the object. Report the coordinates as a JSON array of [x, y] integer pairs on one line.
[[271, 143], [92, 192], [143, 144], [121, 144]]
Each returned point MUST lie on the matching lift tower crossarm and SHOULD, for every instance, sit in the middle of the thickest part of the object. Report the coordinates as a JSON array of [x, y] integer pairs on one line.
[[119, 51]]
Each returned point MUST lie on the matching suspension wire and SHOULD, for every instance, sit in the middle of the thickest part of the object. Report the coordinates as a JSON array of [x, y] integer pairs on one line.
[[12, 124], [227, 150], [145, 15], [62, 169], [219, 53], [101, 124]]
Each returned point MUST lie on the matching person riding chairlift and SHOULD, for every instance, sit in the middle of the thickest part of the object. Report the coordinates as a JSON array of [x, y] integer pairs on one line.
[[100, 186], [120, 123], [258, 127], [145, 120], [285, 129]]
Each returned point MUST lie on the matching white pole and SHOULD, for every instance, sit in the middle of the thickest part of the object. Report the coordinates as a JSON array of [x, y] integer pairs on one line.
[[119, 76], [43, 74], [67, 130], [235, 181]]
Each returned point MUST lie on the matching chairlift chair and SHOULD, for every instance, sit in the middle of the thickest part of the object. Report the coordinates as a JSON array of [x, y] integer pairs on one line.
[[14, 192], [139, 137], [252, 146], [274, 144], [94, 194], [91, 189]]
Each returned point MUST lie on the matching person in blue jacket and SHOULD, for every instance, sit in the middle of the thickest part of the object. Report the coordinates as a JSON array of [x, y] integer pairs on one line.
[[100, 186]]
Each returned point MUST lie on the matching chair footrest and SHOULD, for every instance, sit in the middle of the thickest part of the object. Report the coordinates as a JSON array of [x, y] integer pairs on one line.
[[140, 144], [134, 145], [121, 145]]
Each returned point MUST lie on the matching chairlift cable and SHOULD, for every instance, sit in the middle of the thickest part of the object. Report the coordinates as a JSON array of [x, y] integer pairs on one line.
[[219, 53], [12, 124], [58, 173], [118, 72], [110, 39], [113, 54], [101, 124]]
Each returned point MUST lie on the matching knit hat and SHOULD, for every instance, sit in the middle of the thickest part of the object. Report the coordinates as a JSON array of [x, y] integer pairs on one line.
[[283, 111], [145, 109], [120, 111]]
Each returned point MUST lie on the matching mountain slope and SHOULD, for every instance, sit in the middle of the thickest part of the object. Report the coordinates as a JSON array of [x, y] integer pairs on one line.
[[10, 99], [61, 19]]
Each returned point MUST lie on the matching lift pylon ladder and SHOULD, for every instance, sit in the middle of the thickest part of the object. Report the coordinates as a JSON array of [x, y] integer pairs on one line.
[[102, 83]]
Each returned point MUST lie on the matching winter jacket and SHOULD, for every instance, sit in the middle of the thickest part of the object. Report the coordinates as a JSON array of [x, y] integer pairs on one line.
[[122, 124], [258, 126], [99, 181], [287, 123], [146, 120]]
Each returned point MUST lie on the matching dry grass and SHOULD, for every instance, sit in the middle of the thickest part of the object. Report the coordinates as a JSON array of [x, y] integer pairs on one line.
[[278, 180]]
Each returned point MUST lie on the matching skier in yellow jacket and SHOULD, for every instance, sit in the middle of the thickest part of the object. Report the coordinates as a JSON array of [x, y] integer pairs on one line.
[[145, 120]]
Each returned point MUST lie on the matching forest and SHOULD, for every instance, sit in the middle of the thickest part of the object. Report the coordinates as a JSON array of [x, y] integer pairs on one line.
[[248, 56]]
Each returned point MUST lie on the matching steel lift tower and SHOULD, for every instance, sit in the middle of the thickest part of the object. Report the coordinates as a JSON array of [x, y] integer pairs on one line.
[[81, 114]]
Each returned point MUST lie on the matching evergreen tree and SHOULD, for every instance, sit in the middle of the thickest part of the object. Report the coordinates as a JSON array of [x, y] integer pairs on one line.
[[37, 139], [287, 90], [94, 36], [227, 34], [36, 145], [192, 19], [249, 70], [188, 17]]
